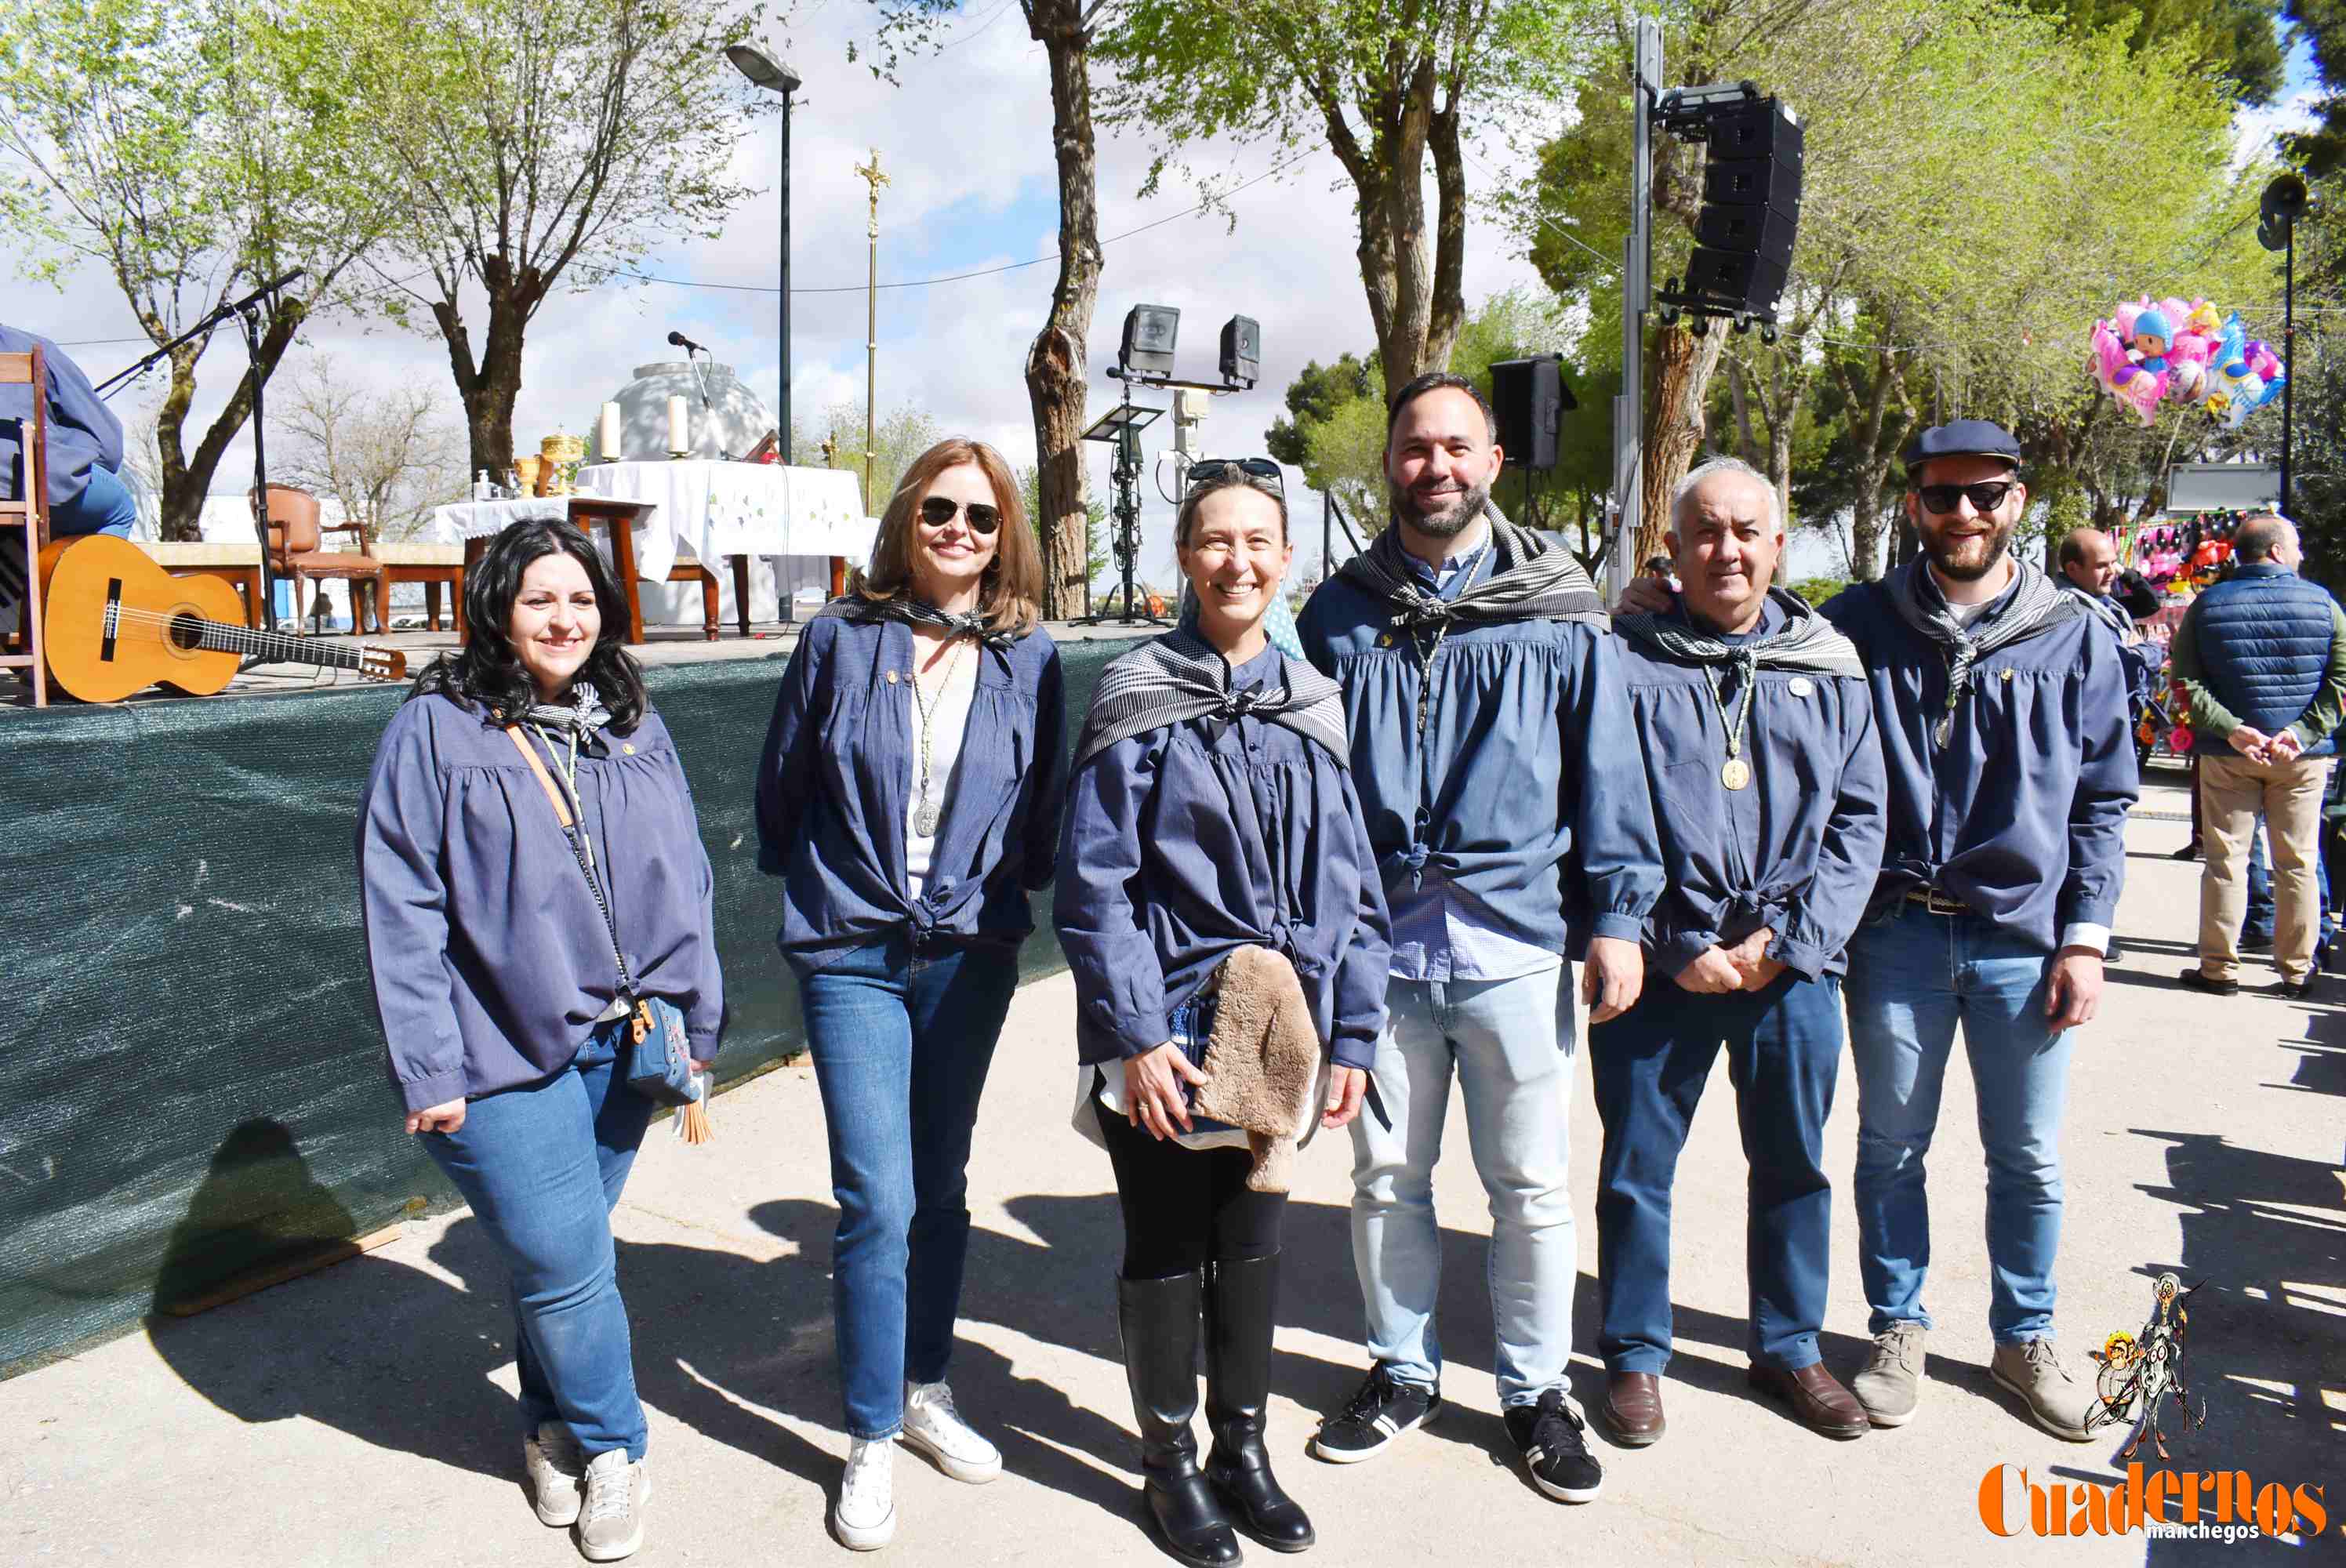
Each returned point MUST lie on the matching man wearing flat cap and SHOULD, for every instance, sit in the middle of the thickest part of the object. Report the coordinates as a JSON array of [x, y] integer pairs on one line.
[[2002, 713]]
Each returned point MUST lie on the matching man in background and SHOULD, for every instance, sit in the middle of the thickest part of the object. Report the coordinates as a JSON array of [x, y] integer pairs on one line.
[[2263, 658]]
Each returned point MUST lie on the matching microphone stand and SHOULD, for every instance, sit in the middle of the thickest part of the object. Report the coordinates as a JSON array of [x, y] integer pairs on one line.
[[700, 380], [250, 309]]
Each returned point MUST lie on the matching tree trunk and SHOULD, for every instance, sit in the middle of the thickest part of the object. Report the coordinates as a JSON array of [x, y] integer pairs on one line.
[[490, 385], [1058, 363], [1683, 362], [1866, 520], [188, 479], [1414, 281]]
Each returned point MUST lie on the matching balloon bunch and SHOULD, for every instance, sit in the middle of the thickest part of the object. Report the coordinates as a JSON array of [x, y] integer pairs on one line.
[[2150, 351]]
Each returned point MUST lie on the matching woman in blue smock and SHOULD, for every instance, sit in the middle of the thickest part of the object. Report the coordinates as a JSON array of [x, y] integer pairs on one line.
[[909, 799], [499, 981], [1211, 812]]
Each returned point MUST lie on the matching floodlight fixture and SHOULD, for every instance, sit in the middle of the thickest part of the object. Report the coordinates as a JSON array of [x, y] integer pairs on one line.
[[1150, 331], [1241, 351]]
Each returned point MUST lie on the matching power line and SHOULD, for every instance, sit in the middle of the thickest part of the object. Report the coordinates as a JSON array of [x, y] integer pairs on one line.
[[1206, 205]]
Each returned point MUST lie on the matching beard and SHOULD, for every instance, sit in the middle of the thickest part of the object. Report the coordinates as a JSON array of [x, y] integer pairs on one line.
[[1446, 524], [1943, 553]]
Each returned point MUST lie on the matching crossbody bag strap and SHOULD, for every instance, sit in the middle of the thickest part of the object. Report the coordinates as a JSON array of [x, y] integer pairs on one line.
[[570, 830]]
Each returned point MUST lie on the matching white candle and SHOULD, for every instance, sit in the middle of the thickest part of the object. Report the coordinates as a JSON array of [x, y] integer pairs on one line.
[[607, 436], [679, 436]]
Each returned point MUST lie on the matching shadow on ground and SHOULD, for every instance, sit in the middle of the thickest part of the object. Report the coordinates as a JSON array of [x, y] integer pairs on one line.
[[400, 1359], [2264, 1235]]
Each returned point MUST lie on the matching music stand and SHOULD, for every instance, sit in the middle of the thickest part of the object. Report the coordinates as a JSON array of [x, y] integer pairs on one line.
[[1121, 426]]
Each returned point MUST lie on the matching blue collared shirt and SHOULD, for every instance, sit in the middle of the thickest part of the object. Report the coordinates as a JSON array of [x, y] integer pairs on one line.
[[1185, 842], [837, 772], [489, 955], [1797, 850], [2022, 814], [1524, 810]]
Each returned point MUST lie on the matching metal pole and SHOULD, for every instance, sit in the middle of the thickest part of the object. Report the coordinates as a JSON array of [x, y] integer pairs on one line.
[[782, 399], [251, 315], [1637, 261], [2288, 350], [872, 175]]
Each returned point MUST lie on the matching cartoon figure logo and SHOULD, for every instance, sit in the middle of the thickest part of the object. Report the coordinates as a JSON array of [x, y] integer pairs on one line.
[[2137, 1374]]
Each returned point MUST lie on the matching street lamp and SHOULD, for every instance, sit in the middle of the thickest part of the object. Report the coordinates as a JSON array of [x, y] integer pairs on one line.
[[763, 71]]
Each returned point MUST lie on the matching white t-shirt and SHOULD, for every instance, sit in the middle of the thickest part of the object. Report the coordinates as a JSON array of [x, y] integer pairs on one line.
[[948, 719]]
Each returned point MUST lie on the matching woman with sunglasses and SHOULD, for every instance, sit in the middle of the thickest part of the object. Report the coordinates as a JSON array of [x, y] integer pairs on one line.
[[1211, 810], [909, 799]]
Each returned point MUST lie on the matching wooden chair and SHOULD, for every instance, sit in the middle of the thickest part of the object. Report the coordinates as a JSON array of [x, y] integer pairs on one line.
[[31, 513], [295, 535]]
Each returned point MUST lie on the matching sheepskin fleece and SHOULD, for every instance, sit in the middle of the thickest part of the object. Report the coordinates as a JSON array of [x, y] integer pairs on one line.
[[1264, 1056]]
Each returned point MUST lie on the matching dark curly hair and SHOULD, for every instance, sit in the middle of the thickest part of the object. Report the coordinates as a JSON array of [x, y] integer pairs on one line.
[[486, 674]]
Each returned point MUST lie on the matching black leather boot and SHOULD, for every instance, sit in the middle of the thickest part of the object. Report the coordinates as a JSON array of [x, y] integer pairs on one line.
[[1158, 1321], [1241, 1299]]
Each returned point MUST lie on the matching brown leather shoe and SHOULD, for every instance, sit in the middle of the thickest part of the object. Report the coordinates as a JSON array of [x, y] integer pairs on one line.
[[1818, 1401], [1633, 1408]]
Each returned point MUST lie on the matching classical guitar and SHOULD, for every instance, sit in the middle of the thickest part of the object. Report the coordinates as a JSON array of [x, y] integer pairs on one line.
[[115, 623]]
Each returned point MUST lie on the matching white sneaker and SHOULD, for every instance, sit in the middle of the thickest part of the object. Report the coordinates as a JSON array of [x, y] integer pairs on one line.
[[611, 1521], [864, 1518], [935, 1428], [557, 1474]]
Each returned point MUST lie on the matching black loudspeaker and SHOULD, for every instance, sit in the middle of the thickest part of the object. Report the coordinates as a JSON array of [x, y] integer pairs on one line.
[[1751, 212], [1150, 331], [1241, 351], [1530, 397]]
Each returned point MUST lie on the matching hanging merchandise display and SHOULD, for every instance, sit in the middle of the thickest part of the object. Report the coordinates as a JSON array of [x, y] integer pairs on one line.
[[2147, 352]]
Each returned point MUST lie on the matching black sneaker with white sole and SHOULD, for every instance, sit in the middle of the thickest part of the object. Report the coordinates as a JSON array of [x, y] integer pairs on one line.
[[1382, 1410], [1555, 1444]]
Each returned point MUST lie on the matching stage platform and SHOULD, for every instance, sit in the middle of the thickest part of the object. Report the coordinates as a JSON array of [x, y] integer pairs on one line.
[[189, 1049]]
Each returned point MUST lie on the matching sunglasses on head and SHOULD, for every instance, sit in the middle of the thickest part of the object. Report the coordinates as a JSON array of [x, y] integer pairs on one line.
[[1986, 497], [938, 510], [1207, 470]]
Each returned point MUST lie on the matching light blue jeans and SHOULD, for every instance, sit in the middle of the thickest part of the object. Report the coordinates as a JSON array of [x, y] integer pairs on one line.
[[543, 1167], [1913, 977], [1509, 1043]]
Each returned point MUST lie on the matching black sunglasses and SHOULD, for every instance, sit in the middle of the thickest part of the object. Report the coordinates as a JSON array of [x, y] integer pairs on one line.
[[938, 510], [1986, 497], [1207, 470]]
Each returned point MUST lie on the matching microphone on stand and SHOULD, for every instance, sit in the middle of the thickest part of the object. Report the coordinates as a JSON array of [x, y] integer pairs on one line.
[[678, 339]]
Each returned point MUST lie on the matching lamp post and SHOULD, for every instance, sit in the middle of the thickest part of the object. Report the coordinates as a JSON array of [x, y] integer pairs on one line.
[[870, 174], [765, 73], [2286, 199]]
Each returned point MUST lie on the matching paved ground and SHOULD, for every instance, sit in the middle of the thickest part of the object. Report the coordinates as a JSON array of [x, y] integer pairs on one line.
[[362, 1416]]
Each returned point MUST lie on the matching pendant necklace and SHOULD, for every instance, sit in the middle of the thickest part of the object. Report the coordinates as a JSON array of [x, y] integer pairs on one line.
[[1735, 772], [931, 811]]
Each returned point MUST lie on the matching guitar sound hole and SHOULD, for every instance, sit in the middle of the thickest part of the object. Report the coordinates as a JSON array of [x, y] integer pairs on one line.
[[187, 631]]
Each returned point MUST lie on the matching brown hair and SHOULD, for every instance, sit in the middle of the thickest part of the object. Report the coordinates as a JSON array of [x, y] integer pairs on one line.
[[1009, 596]]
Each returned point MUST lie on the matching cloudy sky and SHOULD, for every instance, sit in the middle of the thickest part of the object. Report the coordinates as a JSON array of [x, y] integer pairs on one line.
[[965, 140]]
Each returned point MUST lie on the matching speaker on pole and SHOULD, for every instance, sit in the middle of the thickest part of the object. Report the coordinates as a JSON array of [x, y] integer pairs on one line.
[[1530, 398], [1751, 212]]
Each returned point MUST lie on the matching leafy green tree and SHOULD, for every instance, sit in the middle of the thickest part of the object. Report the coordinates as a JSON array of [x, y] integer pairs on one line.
[[1312, 396], [536, 145], [2237, 40], [1388, 85], [191, 152]]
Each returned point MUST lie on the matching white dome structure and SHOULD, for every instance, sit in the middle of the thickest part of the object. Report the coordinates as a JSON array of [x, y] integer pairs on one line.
[[727, 424]]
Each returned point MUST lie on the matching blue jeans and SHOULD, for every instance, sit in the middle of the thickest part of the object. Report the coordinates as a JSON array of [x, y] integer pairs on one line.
[[1913, 977], [104, 506], [1649, 1067], [901, 1035], [1509, 1044], [542, 1166]]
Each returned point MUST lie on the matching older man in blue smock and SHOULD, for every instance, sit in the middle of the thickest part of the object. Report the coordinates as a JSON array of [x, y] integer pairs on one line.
[[1514, 834], [1768, 788]]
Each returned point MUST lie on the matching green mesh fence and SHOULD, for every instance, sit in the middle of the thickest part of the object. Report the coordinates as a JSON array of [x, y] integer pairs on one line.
[[192, 1087]]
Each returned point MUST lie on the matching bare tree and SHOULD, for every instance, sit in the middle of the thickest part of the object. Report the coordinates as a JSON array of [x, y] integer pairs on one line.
[[389, 455]]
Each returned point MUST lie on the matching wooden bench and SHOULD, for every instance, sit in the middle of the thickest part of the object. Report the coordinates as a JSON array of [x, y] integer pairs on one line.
[[434, 567], [235, 564]]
